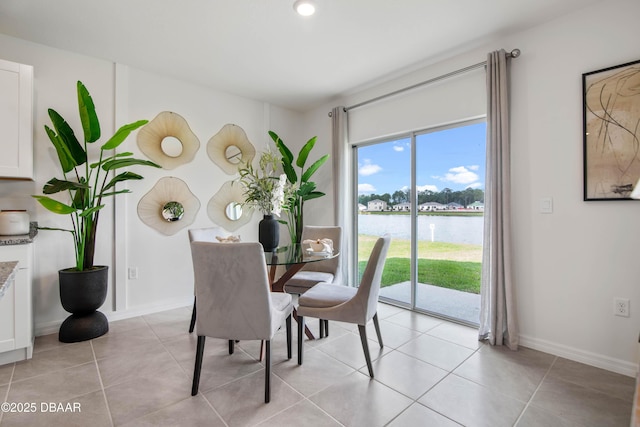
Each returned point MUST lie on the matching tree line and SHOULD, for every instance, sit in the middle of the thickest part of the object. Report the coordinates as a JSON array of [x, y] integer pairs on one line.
[[446, 196]]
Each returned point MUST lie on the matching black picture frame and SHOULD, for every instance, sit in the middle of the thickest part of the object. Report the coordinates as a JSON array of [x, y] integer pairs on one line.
[[611, 131]]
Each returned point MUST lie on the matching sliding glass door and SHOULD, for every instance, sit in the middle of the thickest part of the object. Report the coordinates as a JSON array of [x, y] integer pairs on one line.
[[427, 191]]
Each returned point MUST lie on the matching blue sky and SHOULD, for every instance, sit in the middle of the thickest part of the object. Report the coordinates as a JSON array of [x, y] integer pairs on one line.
[[452, 158]]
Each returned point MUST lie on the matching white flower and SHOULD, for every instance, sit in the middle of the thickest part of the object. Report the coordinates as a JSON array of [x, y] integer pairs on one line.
[[277, 198]]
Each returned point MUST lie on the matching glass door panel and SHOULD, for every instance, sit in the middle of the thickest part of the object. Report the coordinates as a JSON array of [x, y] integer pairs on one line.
[[384, 182], [450, 170]]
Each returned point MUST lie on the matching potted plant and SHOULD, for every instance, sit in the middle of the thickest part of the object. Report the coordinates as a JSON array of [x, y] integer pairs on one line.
[[83, 287], [264, 191], [299, 189]]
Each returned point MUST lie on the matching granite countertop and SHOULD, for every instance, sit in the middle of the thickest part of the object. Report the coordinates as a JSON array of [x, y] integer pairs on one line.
[[7, 273], [22, 239]]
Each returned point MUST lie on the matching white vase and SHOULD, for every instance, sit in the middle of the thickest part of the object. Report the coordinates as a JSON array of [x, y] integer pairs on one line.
[[14, 222]]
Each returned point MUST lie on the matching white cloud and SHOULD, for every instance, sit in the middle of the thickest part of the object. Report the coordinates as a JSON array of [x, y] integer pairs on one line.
[[368, 168], [460, 175], [429, 187], [366, 188], [473, 167], [475, 185], [399, 147]]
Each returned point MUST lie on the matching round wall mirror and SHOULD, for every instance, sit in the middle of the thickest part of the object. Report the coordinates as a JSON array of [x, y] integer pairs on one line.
[[172, 211], [171, 146], [233, 211], [233, 154]]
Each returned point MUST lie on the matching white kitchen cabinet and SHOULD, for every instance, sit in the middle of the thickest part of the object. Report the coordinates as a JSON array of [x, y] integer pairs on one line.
[[16, 309], [16, 120]]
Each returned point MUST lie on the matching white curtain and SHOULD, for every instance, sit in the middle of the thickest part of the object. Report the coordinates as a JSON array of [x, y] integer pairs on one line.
[[341, 185], [498, 323]]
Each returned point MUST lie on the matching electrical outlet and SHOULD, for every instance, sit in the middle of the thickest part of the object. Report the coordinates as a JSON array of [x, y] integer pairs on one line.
[[133, 273], [621, 307]]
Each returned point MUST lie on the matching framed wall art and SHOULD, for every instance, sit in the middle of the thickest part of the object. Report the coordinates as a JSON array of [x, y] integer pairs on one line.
[[611, 130]]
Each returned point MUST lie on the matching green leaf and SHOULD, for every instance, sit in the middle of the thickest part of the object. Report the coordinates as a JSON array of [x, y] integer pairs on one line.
[[292, 176], [306, 188], [287, 155], [113, 193], [313, 195], [123, 163], [88, 212], [55, 185], [304, 152], [96, 164], [68, 137], [67, 163], [122, 134], [54, 205], [313, 168], [124, 176], [88, 116]]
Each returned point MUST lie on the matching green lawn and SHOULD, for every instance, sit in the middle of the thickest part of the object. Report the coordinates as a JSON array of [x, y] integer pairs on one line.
[[448, 265], [461, 276]]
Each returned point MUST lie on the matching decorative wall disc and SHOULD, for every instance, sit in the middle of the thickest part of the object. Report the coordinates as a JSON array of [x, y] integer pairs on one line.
[[169, 206], [168, 140], [225, 207], [229, 148]]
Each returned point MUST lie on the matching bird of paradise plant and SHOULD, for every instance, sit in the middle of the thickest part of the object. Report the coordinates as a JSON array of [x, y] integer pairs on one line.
[[300, 189], [86, 183]]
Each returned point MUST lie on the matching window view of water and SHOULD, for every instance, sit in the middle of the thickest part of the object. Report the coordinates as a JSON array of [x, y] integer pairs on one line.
[[451, 229]]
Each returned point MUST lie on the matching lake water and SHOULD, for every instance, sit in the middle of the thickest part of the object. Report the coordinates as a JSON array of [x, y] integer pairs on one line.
[[451, 229]]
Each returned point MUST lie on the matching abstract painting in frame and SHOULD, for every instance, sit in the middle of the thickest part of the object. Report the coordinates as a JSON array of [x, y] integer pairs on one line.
[[611, 125]]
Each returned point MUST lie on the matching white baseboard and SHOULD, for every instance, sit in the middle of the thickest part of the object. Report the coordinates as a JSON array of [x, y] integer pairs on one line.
[[52, 327], [619, 366]]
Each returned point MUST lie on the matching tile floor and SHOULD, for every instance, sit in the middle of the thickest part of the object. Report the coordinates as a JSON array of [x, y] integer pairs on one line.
[[430, 373]]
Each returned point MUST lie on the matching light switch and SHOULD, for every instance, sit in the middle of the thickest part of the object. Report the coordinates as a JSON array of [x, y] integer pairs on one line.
[[546, 205]]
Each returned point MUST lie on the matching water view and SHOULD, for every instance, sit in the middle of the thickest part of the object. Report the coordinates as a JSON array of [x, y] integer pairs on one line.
[[451, 229]]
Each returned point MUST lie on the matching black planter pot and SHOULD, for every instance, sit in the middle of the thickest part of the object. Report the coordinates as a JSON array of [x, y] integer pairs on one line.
[[269, 233], [81, 294]]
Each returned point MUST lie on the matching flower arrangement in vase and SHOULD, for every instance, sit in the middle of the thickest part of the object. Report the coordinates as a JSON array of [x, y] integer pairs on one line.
[[265, 192]]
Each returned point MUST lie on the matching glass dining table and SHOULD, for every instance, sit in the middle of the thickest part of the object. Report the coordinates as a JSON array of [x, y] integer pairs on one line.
[[293, 257]]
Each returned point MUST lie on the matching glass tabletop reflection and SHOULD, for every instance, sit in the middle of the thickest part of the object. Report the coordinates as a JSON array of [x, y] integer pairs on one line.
[[296, 254]]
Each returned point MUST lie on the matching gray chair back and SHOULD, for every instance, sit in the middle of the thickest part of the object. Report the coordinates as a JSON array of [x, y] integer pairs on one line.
[[369, 289], [232, 291]]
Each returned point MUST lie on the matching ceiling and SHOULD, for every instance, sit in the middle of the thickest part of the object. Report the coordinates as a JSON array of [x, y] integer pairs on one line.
[[262, 49]]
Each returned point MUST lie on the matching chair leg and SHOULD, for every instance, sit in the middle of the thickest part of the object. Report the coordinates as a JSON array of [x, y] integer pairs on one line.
[[321, 328], [267, 373], [289, 337], [365, 346], [231, 346], [193, 316], [198, 366], [300, 338], [326, 328], [377, 325]]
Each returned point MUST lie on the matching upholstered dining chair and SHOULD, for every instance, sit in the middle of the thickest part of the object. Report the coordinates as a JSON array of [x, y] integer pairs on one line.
[[235, 301], [203, 235], [317, 272], [348, 304]]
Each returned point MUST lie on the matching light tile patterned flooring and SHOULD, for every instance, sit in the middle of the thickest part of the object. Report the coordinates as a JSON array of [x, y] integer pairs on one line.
[[430, 373]]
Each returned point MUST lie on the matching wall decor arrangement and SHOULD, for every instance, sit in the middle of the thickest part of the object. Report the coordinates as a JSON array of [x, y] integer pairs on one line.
[[229, 148], [169, 206], [168, 140], [225, 207], [611, 129]]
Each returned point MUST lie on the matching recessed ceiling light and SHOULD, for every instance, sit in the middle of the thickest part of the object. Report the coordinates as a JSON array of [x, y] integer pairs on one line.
[[305, 7]]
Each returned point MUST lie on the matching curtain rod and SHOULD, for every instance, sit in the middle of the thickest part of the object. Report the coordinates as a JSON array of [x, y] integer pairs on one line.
[[513, 54]]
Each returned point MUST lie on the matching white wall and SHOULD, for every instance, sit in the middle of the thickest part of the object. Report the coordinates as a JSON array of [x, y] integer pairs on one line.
[[568, 265]]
